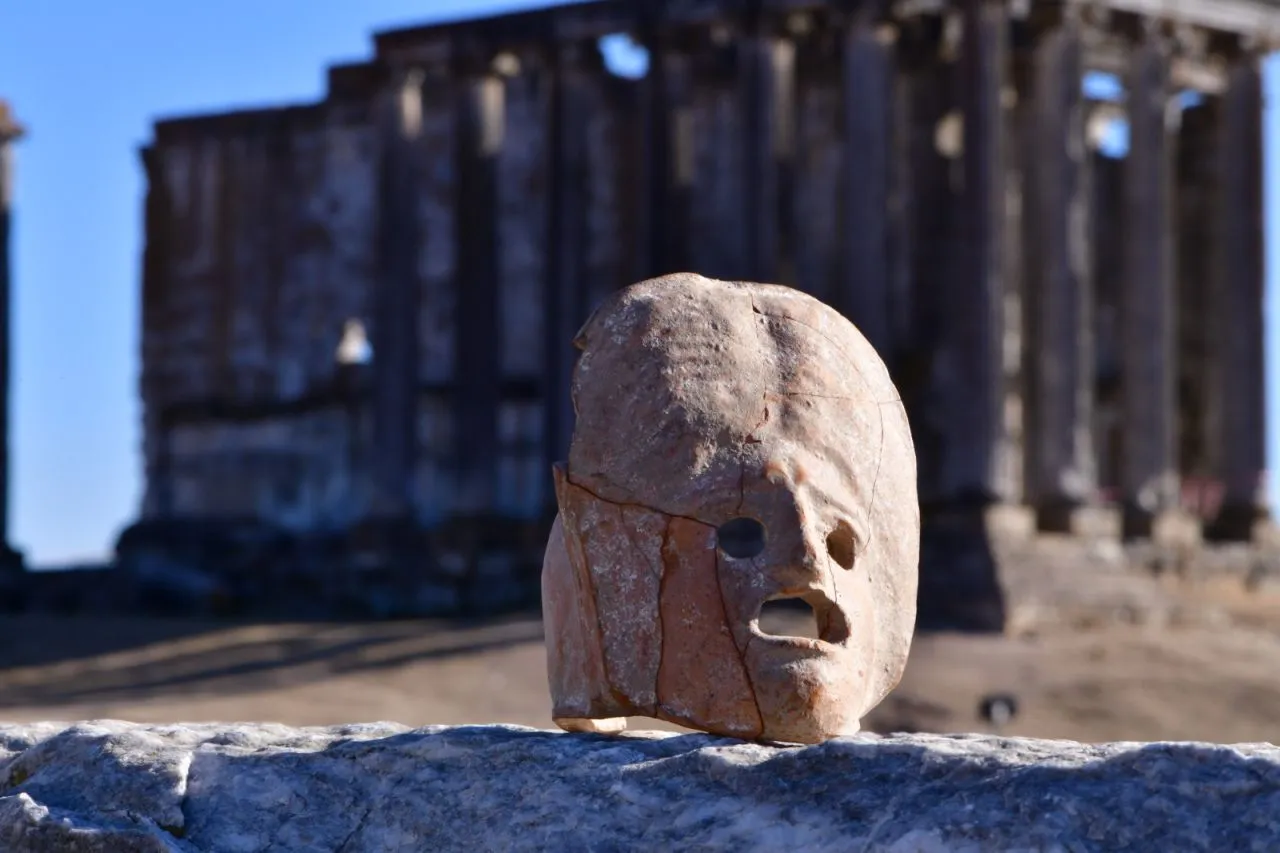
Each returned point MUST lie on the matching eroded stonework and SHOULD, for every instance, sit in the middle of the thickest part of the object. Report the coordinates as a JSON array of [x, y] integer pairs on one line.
[[735, 444]]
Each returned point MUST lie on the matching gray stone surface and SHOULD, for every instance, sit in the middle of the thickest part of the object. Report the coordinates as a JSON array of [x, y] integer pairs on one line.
[[111, 786]]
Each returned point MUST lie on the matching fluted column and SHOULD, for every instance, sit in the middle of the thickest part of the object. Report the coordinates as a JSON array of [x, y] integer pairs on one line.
[[656, 130], [1238, 332], [1149, 478], [157, 215], [1195, 214], [1059, 287], [975, 466], [480, 131], [1106, 231], [678, 233], [767, 86], [866, 297], [565, 289], [395, 313]]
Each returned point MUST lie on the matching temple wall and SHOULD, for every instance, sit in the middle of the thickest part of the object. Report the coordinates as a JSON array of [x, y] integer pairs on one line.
[[268, 255]]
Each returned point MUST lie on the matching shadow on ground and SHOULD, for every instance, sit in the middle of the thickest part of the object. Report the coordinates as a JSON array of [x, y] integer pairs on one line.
[[64, 660]]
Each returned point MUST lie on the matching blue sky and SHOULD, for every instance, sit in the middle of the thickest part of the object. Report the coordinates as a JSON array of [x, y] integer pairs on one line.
[[88, 79]]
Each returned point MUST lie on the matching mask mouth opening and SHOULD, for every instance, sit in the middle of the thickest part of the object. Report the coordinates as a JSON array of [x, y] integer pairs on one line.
[[811, 616]]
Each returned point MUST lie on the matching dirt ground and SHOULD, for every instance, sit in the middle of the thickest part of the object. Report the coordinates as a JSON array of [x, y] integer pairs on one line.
[[1118, 683]]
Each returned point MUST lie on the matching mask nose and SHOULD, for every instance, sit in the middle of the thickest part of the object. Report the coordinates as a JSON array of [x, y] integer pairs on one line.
[[800, 564], [806, 552]]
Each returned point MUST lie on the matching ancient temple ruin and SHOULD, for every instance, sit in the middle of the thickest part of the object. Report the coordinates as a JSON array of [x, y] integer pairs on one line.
[[1076, 333]]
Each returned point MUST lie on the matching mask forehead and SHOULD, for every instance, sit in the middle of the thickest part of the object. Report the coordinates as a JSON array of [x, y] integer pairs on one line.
[[684, 388], [829, 448]]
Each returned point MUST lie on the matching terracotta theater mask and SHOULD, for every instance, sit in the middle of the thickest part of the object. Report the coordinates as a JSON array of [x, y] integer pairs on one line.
[[735, 444]]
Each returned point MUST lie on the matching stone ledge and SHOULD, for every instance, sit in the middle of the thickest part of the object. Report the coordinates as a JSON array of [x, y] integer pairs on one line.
[[111, 786]]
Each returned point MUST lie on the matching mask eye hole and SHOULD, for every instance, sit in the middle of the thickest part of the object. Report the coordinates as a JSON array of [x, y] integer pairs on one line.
[[741, 538], [841, 545]]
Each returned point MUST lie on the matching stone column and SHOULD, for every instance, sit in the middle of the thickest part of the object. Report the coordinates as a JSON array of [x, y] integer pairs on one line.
[[1107, 234], [1062, 471], [394, 332], [866, 297], [976, 468], [565, 288], [1020, 118], [157, 216], [481, 109], [665, 141], [1238, 331], [656, 134], [1149, 476], [678, 231], [930, 218], [1196, 219], [767, 81], [10, 132]]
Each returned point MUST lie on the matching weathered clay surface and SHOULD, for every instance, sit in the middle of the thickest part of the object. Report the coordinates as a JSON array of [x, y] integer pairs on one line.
[[113, 787], [700, 402]]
